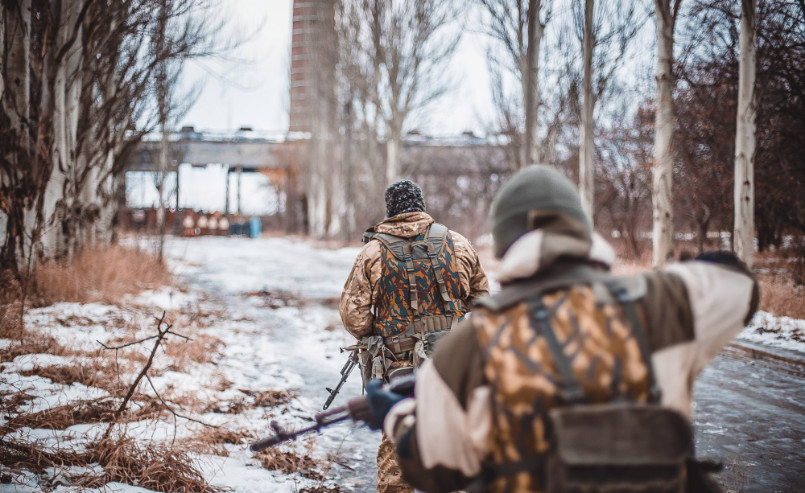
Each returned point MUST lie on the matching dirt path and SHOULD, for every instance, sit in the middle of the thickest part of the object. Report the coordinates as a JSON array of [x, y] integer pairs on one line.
[[749, 413]]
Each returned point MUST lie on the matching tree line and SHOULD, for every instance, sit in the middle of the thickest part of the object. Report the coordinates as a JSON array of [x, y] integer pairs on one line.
[[638, 101], [605, 90]]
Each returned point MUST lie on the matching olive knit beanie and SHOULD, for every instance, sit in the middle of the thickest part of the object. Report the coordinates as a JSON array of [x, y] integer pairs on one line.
[[533, 188]]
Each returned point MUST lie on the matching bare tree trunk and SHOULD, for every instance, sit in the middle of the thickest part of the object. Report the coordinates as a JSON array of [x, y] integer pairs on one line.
[[586, 167], [744, 227], [59, 224], [162, 103], [16, 217], [531, 150], [662, 205], [392, 157]]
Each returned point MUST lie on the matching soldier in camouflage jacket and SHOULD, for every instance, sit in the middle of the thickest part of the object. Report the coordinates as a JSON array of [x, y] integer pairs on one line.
[[483, 398], [377, 301]]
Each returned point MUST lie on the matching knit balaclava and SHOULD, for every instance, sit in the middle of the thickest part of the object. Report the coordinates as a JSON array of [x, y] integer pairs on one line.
[[403, 196]]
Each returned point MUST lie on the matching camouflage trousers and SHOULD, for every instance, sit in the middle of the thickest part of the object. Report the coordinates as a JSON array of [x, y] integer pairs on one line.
[[389, 474]]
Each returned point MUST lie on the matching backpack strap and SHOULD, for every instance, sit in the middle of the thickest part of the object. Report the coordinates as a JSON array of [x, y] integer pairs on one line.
[[623, 297], [434, 240], [572, 393]]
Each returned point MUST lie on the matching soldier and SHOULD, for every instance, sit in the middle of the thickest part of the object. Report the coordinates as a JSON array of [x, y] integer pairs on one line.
[[411, 283], [570, 378]]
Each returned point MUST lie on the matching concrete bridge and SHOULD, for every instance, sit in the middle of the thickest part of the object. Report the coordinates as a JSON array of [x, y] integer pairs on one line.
[[243, 150]]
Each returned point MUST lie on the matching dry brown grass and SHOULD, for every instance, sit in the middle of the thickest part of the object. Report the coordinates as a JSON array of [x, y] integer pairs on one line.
[[155, 466], [200, 349], [289, 462], [62, 417], [33, 343], [781, 297], [266, 398], [102, 274], [98, 372], [212, 441]]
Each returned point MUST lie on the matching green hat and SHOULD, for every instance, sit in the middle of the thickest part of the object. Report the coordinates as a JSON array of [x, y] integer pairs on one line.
[[535, 188]]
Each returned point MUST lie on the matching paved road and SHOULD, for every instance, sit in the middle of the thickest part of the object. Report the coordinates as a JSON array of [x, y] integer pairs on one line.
[[750, 413]]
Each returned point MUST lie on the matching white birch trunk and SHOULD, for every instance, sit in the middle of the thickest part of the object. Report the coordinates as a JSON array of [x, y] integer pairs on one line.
[[392, 157], [744, 227], [61, 188], [531, 148], [586, 167], [662, 171]]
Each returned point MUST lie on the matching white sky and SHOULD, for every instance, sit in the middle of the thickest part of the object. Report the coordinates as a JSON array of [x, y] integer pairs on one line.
[[250, 88]]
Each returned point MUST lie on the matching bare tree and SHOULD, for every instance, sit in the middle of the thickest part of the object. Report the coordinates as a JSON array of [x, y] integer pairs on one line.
[[662, 180], [744, 228], [605, 30], [408, 47], [90, 92], [517, 28]]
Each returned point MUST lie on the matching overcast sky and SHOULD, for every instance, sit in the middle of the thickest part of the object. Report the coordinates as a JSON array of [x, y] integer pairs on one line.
[[250, 88]]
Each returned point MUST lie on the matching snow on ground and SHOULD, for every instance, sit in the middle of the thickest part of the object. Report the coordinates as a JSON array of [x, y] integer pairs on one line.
[[271, 305], [783, 332]]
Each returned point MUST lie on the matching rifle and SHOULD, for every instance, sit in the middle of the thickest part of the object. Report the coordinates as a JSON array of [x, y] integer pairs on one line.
[[345, 371], [357, 409]]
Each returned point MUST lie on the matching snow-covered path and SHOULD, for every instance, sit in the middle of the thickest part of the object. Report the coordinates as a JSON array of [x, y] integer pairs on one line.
[[276, 346], [749, 413]]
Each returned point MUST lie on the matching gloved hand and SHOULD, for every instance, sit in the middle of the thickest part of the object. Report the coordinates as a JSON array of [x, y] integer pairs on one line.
[[380, 402]]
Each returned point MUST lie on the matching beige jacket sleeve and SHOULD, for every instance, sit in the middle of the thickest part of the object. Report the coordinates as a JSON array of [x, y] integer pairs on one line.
[[359, 294], [473, 278]]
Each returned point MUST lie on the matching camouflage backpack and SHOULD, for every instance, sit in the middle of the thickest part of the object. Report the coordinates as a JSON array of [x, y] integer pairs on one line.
[[574, 402], [419, 297]]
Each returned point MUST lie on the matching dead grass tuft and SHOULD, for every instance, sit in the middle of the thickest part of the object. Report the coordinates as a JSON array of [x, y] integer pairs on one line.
[[33, 343], [271, 398], [62, 417], [96, 373], [27, 455], [11, 405], [155, 466], [102, 274], [781, 297], [201, 349], [266, 398], [212, 441], [320, 488], [289, 462]]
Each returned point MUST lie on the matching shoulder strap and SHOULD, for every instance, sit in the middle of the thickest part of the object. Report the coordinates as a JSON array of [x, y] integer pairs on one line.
[[572, 393], [627, 302], [395, 244], [437, 234]]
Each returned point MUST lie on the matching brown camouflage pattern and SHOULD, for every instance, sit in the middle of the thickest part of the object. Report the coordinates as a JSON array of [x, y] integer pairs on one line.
[[598, 341], [363, 290], [389, 474]]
